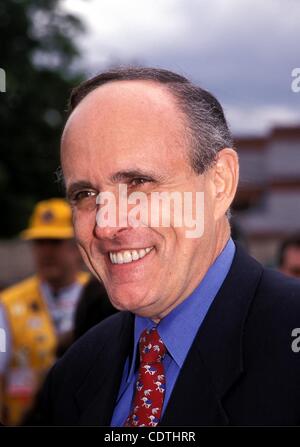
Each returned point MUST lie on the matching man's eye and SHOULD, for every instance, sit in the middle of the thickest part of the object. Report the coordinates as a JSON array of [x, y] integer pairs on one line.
[[138, 181], [84, 199], [84, 195]]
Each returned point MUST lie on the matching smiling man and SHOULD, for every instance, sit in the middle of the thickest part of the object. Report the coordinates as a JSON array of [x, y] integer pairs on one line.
[[130, 139], [204, 336]]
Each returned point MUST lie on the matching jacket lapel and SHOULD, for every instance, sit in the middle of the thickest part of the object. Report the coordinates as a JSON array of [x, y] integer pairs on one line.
[[215, 360], [194, 401], [96, 397]]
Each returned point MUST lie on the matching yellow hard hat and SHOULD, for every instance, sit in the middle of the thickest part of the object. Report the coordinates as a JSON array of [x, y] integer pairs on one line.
[[51, 219]]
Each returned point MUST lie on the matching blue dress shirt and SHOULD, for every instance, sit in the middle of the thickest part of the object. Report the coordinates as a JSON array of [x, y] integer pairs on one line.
[[177, 330]]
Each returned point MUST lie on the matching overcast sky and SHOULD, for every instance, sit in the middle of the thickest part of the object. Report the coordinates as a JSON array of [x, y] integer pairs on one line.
[[243, 51]]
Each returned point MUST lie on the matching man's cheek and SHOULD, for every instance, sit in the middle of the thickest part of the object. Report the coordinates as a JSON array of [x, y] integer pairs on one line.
[[83, 226]]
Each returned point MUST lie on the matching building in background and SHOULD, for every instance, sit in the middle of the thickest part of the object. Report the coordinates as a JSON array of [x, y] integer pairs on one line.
[[267, 205]]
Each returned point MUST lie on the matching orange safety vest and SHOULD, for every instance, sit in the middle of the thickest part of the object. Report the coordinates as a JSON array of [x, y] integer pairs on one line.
[[34, 343]]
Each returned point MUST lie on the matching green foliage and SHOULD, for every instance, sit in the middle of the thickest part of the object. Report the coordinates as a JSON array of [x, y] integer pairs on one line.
[[36, 51]]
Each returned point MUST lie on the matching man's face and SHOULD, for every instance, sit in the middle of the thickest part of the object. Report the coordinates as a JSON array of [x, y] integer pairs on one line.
[[132, 133], [291, 264], [55, 259]]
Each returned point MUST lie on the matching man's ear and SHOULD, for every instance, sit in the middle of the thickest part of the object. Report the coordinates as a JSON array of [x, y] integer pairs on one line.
[[225, 180]]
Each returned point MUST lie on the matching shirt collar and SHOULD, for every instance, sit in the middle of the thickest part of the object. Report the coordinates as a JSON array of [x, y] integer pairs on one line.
[[188, 316]]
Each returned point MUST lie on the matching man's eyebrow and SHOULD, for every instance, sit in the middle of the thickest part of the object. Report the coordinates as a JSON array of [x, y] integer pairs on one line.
[[118, 177], [75, 186], [130, 174]]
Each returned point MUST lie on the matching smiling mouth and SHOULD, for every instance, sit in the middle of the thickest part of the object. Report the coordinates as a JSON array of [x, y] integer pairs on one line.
[[127, 256]]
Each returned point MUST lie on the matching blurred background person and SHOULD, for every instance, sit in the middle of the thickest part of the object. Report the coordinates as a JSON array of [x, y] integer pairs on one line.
[[37, 314], [93, 307], [289, 256]]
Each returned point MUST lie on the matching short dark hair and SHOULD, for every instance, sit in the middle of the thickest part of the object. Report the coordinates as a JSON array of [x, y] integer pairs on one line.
[[207, 128], [291, 241]]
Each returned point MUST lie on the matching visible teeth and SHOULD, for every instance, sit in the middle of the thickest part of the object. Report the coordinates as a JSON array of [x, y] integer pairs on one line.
[[119, 258], [126, 256], [135, 255], [142, 253]]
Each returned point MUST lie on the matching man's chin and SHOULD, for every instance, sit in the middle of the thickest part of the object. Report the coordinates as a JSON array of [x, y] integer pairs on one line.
[[137, 304]]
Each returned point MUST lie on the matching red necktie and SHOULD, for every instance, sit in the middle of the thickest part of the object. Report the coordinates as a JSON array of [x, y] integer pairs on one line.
[[150, 385]]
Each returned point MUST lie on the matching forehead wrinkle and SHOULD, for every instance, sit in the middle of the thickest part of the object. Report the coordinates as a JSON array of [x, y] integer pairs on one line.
[[129, 174]]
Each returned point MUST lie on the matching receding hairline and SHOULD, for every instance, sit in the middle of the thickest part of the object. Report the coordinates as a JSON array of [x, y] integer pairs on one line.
[[156, 86], [158, 75], [201, 113]]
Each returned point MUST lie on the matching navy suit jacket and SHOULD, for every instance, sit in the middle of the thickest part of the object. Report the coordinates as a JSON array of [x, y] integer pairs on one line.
[[240, 370]]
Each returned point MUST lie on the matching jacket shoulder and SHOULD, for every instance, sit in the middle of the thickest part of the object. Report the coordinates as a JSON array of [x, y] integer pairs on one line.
[[82, 355], [279, 292], [273, 316]]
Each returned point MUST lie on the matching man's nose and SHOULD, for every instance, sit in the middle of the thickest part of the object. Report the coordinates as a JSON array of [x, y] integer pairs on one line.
[[113, 220], [108, 232]]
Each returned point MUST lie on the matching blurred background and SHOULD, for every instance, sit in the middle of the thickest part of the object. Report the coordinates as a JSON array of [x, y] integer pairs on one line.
[[243, 52]]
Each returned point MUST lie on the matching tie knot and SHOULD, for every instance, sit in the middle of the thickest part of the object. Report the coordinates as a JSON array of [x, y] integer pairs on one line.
[[152, 348]]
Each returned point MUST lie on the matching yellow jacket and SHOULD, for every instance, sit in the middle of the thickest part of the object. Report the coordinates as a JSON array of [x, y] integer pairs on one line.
[[34, 345]]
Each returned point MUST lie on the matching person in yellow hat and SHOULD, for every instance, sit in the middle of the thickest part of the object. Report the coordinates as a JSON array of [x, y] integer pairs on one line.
[[36, 314]]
